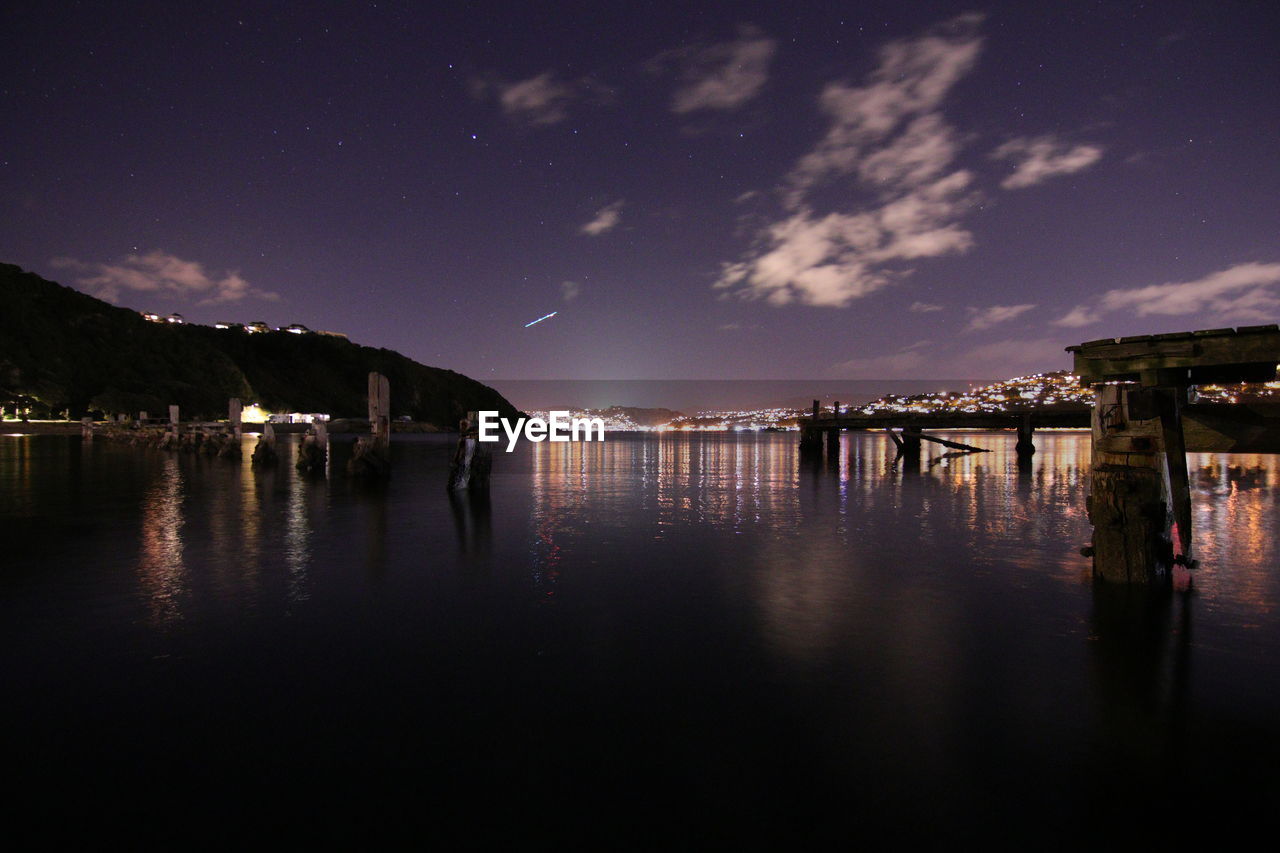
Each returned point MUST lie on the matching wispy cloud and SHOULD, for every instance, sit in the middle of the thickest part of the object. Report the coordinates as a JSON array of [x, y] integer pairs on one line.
[[906, 363], [721, 76], [541, 100], [924, 307], [1241, 291], [570, 290], [985, 318], [887, 135], [606, 219], [538, 100], [912, 79], [1000, 359], [1040, 158], [163, 274], [1079, 316], [1245, 292]]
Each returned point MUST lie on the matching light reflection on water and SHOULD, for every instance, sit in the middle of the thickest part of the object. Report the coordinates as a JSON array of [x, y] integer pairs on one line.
[[160, 563], [927, 627]]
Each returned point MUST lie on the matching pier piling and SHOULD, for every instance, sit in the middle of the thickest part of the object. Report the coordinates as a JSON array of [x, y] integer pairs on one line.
[[1026, 444], [1140, 497], [372, 455], [264, 454]]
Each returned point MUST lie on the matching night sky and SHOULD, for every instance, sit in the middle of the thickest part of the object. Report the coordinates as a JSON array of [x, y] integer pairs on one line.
[[746, 190]]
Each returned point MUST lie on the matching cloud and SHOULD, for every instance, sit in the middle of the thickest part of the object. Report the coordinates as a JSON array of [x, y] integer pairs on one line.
[[541, 100], [1000, 359], [835, 259], [903, 364], [912, 79], [163, 274], [1079, 316], [924, 307], [985, 318], [920, 153], [1245, 292], [1241, 289], [570, 290], [606, 219], [888, 136], [1038, 159], [538, 100], [994, 360], [721, 76]]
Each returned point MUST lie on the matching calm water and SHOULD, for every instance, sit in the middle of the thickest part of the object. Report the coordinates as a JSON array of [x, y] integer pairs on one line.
[[645, 641]]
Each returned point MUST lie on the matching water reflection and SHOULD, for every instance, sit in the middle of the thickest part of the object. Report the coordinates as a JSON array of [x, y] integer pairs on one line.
[[1140, 652], [1234, 508], [665, 480], [297, 538], [160, 564], [473, 520], [734, 610]]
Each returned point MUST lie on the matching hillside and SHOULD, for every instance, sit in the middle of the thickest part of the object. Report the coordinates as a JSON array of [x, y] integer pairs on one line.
[[67, 352]]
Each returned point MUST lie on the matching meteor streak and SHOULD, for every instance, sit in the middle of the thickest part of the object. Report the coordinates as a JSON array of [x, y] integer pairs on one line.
[[540, 319]]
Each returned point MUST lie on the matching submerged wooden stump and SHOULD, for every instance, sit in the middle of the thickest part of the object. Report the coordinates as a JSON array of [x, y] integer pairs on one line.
[[471, 465], [1131, 524], [264, 454], [231, 448], [370, 458], [313, 455]]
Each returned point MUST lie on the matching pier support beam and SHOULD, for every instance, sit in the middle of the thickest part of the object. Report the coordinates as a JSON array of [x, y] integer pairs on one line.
[[372, 455], [810, 435], [264, 454], [1139, 490], [833, 435], [1026, 444], [910, 442], [313, 453]]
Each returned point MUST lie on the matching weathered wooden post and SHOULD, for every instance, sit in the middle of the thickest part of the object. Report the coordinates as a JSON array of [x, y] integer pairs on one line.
[[471, 460], [313, 455], [1141, 496], [1026, 443], [372, 455], [810, 435], [833, 435], [380, 409], [228, 445], [1130, 498], [910, 441], [264, 453], [170, 439]]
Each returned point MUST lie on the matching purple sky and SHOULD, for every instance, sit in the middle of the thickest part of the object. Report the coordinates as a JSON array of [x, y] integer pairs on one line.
[[825, 190]]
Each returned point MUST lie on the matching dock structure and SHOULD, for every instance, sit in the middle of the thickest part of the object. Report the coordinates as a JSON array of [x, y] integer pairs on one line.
[[372, 454], [1140, 496], [908, 429]]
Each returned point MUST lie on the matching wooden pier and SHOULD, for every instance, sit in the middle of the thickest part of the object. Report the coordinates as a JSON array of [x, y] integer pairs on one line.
[[909, 427], [1140, 494], [1143, 425]]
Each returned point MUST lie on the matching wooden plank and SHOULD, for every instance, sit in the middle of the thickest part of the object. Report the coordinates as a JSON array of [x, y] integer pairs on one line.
[[953, 444], [1175, 452]]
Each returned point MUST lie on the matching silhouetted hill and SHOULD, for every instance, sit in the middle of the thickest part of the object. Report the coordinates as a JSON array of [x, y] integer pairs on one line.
[[71, 352]]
